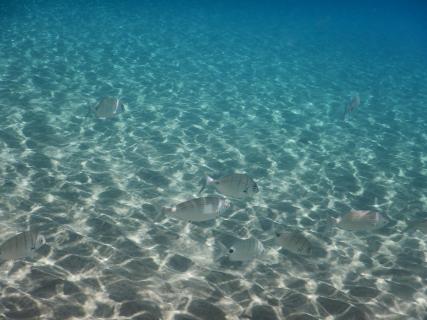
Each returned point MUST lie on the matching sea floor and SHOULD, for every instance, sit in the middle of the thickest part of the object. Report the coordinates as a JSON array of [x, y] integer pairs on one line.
[[206, 98]]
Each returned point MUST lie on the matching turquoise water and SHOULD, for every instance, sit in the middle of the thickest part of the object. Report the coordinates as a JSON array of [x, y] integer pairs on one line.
[[212, 89]]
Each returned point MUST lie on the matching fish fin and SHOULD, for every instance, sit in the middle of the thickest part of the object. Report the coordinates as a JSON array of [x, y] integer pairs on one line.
[[120, 107], [377, 205], [166, 211], [206, 182], [31, 253], [90, 110], [330, 224], [161, 211], [61, 237], [219, 250]]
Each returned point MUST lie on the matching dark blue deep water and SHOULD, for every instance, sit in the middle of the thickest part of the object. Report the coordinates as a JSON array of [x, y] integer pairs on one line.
[[213, 88]]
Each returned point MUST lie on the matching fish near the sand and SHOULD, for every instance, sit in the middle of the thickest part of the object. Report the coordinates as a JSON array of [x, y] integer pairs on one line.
[[21, 245], [198, 209], [353, 103], [236, 185], [109, 107], [362, 220], [420, 225], [295, 242], [245, 250]]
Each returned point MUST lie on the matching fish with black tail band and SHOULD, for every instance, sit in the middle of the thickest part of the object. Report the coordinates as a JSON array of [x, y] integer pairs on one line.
[[362, 220], [22, 245], [198, 209], [108, 107], [236, 185], [295, 242], [244, 250]]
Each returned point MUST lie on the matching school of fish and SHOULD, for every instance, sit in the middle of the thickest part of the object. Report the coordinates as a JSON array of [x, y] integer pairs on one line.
[[237, 186]]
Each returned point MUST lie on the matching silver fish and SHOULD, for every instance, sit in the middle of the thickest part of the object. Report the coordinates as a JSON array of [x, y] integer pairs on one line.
[[199, 209], [21, 245], [353, 103], [295, 242], [245, 250], [360, 220], [109, 107], [417, 225], [236, 185]]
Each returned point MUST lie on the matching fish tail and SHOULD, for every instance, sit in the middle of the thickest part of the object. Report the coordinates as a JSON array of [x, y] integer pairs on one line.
[[331, 222], [62, 236], [89, 111], [117, 105], [219, 251], [165, 210], [60, 239], [206, 182], [160, 211], [345, 113]]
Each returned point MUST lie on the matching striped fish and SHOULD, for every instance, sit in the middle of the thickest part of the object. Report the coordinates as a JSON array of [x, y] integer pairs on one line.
[[109, 107], [236, 185], [21, 245], [295, 242], [245, 250], [362, 220], [198, 209]]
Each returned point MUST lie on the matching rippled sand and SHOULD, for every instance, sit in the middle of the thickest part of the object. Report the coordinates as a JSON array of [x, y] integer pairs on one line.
[[200, 102]]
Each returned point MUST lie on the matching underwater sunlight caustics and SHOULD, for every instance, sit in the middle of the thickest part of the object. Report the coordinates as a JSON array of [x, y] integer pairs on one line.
[[213, 160]]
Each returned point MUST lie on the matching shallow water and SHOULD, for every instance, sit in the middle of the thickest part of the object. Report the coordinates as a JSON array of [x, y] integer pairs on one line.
[[212, 89]]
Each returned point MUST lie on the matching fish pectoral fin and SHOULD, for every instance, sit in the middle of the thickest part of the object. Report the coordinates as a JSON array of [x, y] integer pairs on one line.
[[203, 187]]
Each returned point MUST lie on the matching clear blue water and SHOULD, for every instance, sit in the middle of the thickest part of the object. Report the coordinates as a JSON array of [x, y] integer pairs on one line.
[[211, 89]]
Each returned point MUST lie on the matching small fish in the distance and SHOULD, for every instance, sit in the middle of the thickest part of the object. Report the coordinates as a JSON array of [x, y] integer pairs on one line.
[[236, 185], [245, 250], [295, 242], [21, 245], [420, 225], [352, 104], [198, 209], [108, 107], [362, 220]]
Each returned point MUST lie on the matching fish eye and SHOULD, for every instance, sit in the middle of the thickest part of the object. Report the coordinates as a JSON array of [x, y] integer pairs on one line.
[[277, 234], [231, 250], [41, 241]]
